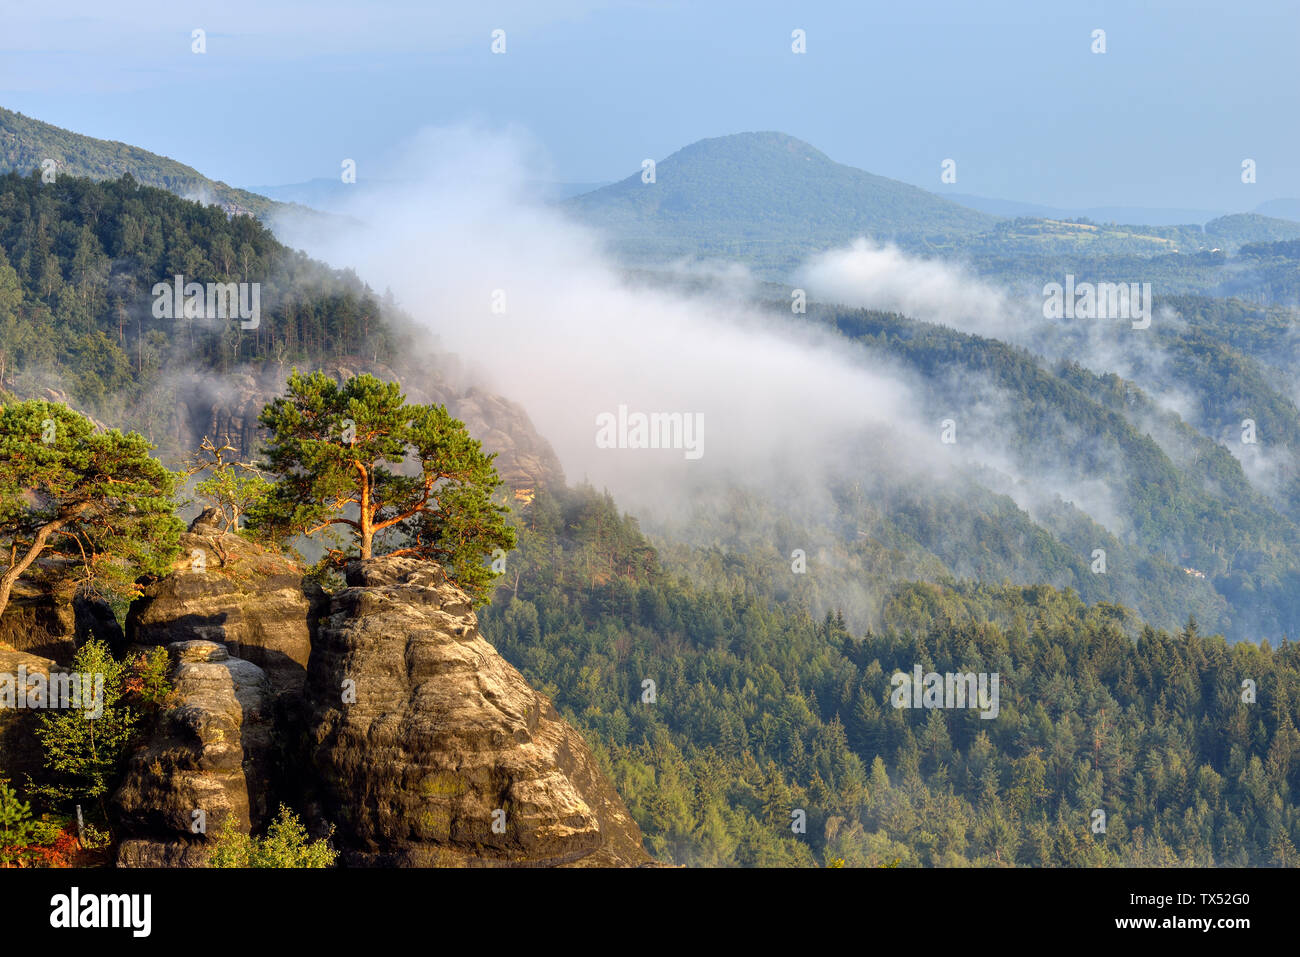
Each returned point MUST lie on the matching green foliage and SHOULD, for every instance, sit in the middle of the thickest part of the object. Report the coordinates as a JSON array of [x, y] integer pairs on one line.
[[49, 827], [96, 501], [332, 446], [78, 263], [230, 486], [16, 826], [234, 494], [286, 844], [149, 682], [762, 708], [93, 839], [85, 755]]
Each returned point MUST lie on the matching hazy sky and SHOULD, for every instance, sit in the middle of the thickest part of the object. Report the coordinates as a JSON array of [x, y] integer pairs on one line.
[[1011, 90]]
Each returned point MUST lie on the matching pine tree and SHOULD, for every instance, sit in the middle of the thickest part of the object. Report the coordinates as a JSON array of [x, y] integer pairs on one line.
[[94, 500], [332, 447]]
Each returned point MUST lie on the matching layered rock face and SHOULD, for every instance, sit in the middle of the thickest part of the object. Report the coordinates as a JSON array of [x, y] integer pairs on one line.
[[52, 624], [411, 736], [20, 753], [211, 753], [431, 750], [228, 590]]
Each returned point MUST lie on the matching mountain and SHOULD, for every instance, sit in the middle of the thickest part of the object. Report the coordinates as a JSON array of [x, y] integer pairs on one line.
[[26, 143], [1252, 228], [771, 201], [768, 199]]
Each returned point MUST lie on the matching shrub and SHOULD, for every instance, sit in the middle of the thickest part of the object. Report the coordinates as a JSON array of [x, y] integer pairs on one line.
[[16, 826], [285, 845]]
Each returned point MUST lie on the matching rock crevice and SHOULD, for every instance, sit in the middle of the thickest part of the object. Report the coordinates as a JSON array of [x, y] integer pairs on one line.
[[407, 732]]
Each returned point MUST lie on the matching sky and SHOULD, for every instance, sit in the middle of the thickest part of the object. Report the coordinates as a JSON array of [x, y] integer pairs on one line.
[[1012, 91]]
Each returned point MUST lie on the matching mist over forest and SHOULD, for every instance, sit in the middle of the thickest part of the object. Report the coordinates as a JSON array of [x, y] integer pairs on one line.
[[650, 515]]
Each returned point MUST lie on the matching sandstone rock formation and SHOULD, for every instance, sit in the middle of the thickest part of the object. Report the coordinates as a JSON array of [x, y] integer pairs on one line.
[[422, 738], [20, 754], [211, 752], [53, 623], [227, 590]]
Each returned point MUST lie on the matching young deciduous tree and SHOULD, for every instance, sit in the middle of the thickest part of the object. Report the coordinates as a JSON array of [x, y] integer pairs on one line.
[[86, 748], [96, 501], [232, 486], [404, 479]]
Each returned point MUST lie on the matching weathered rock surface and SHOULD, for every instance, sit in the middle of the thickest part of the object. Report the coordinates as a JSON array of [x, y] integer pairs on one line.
[[20, 754], [211, 752], [52, 623], [226, 589], [443, 738]]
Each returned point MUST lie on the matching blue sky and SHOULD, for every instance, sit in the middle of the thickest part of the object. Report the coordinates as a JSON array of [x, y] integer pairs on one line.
[[1010, 90]]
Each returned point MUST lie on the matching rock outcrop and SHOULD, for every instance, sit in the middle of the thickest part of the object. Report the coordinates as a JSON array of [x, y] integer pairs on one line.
[[410, 734], [226, 589], [20, 754], [211, 753], [430, 749], [52, 623]]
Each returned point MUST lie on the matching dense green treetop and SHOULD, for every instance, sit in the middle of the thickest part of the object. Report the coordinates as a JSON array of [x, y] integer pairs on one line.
[[403, 479], [94, 502]]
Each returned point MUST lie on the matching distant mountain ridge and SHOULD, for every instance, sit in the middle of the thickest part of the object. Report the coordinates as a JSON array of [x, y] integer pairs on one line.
[[1275, 209], [1149, 216], [742, 194], [332, 195], [26, 143], [771, 201], [1280, 209]]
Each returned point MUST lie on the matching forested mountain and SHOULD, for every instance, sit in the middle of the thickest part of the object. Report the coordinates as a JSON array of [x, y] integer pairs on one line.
[[78, 263], [26, 143], [769, 200], [1192, 521], [770, 690], [766, 199]]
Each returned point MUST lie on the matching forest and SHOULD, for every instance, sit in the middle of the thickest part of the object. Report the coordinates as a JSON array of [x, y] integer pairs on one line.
[[78, 261], [762, 709], [1163, 701]]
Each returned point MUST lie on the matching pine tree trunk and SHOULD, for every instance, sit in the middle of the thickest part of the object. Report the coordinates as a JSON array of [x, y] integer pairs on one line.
[[367, 518], [38, 545]]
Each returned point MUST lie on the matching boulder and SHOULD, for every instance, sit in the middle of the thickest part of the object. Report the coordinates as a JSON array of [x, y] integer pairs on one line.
[[52, 622]]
